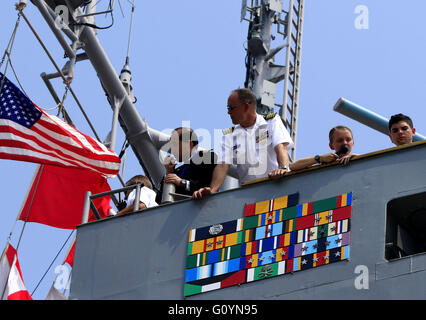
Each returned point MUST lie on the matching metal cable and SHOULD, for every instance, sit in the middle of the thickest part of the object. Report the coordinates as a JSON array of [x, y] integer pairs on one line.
[[54, 259], [8, 50]]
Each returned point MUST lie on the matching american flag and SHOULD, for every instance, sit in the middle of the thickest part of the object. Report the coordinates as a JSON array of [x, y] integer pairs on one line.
[[27, 133]]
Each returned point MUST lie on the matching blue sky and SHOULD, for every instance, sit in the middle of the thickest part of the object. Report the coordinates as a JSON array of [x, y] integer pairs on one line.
[[186, 57]]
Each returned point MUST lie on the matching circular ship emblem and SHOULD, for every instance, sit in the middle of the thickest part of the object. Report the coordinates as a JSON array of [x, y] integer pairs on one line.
[[215, 229]]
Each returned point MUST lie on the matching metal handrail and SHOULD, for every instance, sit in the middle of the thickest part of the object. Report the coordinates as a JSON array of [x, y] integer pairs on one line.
[[88, 203]]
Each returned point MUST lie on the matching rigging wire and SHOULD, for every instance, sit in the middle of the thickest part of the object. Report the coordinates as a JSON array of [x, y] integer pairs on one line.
[[54, 259], [12, 39], [8, 50], [15, 74], [60, 106], [121, 9]]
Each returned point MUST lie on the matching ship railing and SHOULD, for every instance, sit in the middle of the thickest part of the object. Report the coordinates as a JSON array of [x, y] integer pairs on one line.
[[89, 205]]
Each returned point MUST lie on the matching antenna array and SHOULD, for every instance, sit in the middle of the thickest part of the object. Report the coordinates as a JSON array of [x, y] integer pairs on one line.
[[275, 85]]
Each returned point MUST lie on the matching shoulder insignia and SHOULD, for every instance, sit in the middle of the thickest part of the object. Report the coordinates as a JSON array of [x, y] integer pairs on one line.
[[269, 116], [227, 131]]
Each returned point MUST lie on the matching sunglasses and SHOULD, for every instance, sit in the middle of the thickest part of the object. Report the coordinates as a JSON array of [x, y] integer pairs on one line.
[[230, 108]]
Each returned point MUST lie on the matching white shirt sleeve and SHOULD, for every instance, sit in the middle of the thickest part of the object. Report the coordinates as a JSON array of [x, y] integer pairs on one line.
[[279, 133]]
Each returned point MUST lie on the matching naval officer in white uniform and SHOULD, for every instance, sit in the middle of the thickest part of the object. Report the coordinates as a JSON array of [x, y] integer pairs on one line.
[[257, 144]]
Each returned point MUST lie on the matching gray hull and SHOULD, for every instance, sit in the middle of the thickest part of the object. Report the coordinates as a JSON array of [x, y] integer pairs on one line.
[[143, 255]]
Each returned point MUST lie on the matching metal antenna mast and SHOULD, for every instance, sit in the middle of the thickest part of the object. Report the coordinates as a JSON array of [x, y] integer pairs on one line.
[[264, 77]]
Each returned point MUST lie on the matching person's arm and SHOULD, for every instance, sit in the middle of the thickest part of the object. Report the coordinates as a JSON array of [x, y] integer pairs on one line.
[[219, 175], [282, 159], [129, 208], [281, 141], [303, 163], [310, 161], [187, 184]]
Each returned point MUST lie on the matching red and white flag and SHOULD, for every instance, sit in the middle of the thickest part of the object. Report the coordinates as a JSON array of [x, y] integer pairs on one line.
[[11, 282], [27, 133]]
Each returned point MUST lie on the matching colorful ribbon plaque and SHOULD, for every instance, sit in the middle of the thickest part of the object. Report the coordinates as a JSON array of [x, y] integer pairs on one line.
[[275, 237]]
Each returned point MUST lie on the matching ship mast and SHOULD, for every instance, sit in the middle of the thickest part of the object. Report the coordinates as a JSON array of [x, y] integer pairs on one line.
[[273, 84]]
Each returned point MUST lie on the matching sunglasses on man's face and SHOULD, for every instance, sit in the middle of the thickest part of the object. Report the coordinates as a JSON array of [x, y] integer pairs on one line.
[[230, 108]]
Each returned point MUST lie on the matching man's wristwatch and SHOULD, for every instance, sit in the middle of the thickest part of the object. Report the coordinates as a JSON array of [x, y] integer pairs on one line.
[[283, 166], [185, 183], [317, 158]]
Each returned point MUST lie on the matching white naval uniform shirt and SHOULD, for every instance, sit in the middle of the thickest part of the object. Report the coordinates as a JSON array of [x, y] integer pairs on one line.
[[252, 148]]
